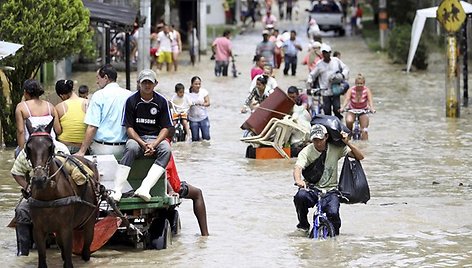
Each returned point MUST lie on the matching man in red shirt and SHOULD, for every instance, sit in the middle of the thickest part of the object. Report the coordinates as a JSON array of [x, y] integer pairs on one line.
[[221, 48], [299, 99], [187, 191]]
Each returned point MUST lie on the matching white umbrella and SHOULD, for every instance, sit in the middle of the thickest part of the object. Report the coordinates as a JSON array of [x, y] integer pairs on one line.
[[7, 49]]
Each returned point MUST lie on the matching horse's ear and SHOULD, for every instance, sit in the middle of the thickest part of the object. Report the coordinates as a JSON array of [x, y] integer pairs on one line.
[[49, 127], [29, 127]]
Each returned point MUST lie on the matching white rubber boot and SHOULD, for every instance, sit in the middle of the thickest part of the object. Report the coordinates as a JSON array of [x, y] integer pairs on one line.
[[154, 173], [121, 176]]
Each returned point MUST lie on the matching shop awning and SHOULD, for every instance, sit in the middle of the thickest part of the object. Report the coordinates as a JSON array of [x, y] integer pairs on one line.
[[116, 17], [7, 49]]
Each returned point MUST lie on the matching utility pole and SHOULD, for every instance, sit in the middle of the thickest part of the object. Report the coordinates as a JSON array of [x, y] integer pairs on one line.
[[202, 25], [167, 12], [383, 22], [144, 42], [465, 64], [237, 11], [451, 15]]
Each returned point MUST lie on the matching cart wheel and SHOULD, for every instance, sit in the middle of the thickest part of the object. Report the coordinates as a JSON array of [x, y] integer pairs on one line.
[[165, 237], [175, 225]]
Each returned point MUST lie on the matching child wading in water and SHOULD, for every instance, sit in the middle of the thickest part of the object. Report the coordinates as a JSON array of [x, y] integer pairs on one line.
[[180, 105]]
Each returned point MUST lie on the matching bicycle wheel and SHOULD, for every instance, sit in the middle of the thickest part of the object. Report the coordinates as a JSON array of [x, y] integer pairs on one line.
[[179, 133], [356, 129], [324, 231]]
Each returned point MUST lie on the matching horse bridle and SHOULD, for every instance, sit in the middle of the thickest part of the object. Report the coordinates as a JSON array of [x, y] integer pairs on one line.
[[45, 169]]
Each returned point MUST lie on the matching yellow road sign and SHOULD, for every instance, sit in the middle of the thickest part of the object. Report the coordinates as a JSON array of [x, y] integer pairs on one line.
[[451, 15]]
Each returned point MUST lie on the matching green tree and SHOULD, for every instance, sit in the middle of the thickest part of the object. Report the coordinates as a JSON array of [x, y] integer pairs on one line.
[[49, 30], [398, 47], [401, 11]]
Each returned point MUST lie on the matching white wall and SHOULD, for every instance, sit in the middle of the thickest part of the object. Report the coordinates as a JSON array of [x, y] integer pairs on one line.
[[217, 14]]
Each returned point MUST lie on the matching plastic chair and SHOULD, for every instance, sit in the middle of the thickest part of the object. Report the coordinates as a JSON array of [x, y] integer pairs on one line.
[[277, 133]]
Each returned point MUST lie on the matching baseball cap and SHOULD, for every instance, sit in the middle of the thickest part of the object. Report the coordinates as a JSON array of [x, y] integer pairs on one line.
[[318, 132], [265, 32], [325, 47], [147, 74], [316, 44]]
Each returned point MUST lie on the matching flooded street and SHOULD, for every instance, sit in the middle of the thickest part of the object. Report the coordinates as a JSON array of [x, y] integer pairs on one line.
[[415, 161]]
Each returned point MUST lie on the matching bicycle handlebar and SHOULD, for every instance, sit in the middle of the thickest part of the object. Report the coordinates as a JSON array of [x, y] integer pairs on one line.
[[313, 91], [182, 106], [358, 111]]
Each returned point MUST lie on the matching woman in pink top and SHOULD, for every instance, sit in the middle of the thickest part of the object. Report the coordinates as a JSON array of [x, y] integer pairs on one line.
[[359, 97], [176, 46], [259, 67]]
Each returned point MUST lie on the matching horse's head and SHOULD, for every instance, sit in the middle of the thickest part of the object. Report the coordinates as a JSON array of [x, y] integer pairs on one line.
[[39, 151]]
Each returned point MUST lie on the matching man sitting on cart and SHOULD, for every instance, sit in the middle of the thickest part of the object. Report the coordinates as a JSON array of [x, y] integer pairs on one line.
[[147, 121]]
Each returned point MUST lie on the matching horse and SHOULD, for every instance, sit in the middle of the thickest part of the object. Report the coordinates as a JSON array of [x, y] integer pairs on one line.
[[57, 204]]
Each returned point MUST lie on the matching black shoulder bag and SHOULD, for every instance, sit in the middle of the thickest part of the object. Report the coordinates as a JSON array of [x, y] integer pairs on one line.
[[313, 172]]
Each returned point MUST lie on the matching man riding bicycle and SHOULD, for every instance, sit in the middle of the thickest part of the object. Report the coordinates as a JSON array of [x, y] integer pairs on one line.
[[318, 163]]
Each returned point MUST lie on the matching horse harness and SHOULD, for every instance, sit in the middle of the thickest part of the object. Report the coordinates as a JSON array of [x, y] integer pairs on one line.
[[68, 200]]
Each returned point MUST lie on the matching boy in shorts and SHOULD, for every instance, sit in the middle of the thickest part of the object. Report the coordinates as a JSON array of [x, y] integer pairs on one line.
[[164, 46]]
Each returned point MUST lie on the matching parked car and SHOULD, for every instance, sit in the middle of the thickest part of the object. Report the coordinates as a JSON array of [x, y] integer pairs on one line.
[[328, 15]]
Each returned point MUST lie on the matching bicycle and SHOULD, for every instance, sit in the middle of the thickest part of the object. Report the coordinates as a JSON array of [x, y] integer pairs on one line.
[[356, 126], [177, 117], [322, 226], [316, 106], [234, 71], [180, 133]]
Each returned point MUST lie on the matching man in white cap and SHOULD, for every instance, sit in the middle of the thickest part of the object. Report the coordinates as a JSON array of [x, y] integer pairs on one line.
[[330, 72], [318, 163], [147, 121], [266, 48]]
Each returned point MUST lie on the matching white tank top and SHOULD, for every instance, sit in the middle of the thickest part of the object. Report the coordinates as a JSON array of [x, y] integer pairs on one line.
[[38, 121]]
